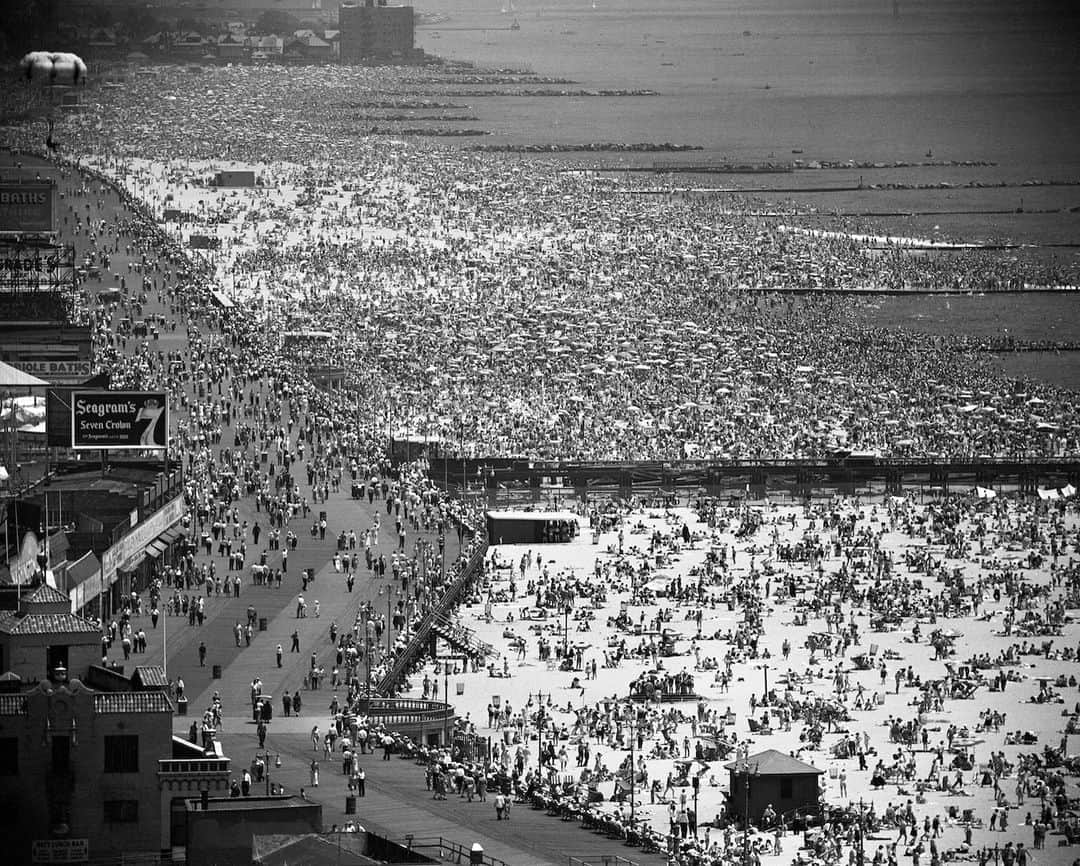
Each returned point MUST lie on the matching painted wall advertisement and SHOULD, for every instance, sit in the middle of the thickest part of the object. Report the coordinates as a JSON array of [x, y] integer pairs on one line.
[[119, 420], [57, 370], [122, 554], [26, 207]]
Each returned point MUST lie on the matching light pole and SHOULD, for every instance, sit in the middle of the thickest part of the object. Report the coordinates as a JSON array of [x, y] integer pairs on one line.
[[632, 726], [696, 783], [765, 671], [266, 765], [743, 761], [567, 605], [389, 601], [540, 727], [862, 835], [367, 650], [446, 699], [446, 694]]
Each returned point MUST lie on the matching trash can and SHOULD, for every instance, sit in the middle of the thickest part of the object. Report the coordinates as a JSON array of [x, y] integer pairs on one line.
[[350, 804], [181, 706], [262, 623], [476, 855], [215, 672]]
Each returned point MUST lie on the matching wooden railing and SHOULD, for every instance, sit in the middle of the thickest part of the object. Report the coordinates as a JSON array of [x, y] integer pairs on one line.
[[448, 850], [418, 643]]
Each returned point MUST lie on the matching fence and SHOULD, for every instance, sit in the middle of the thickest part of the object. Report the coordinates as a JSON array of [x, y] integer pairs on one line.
[[600, 860], [449, 851]]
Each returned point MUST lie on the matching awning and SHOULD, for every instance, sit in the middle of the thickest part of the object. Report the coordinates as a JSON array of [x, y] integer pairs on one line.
[[82, 569], [170, 535], [160, 544]]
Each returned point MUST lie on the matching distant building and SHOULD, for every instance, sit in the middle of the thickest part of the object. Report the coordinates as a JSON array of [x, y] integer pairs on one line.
[[232, 46], [376, 34]]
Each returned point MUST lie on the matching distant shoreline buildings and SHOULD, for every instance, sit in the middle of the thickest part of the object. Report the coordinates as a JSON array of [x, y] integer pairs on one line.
[[376, 33], [368, 32]]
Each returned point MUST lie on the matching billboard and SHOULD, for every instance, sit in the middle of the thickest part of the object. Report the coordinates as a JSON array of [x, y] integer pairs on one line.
[[26, 207], [119, 420]]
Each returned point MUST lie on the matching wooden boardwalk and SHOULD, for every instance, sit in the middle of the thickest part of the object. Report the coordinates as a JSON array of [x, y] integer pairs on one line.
[[397, 804]]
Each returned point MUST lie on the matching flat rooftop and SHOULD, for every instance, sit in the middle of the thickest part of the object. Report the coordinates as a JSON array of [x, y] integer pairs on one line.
[[247, 804]]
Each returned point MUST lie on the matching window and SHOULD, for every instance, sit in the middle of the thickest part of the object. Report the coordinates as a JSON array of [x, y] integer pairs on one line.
[[177, 822], [55, 656], [122, 754], [785, 788], [61, 754], [9, 756], [121, 811]]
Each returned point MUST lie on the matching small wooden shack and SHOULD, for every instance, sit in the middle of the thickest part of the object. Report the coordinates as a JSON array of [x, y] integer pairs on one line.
[[771, 778]]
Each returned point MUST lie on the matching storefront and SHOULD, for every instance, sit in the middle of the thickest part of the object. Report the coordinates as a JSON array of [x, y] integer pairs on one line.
[[126, 566]]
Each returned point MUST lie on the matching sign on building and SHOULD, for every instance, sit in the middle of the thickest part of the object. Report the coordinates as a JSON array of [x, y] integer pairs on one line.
[[61, 851], [26, 207], [128, 548], [57, 370], [119, 420]]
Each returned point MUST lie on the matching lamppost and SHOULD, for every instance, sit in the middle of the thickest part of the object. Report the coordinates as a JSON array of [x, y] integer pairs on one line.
[[696, 783], [446, 694], [540, 726], [744, 762], [765, 670], [364, 610], [389, 602], [568, 605], [862, 834], [632, 727], [266, 765]]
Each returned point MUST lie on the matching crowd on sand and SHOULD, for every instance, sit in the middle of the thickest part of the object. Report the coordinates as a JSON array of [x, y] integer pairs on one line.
[[503, 307]]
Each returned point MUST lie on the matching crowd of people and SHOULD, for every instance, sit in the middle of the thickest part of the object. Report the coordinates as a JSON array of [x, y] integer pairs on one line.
[[503, 308]]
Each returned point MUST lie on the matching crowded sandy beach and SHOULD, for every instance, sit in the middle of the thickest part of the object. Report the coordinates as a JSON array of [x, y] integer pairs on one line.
[[917, 650]]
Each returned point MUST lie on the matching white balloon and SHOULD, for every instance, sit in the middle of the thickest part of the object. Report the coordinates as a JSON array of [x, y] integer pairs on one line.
[[54, 67]]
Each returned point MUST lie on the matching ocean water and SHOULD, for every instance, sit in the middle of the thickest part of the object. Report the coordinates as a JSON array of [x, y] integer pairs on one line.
[[960, 80], [843, 79], [1026, 317]]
